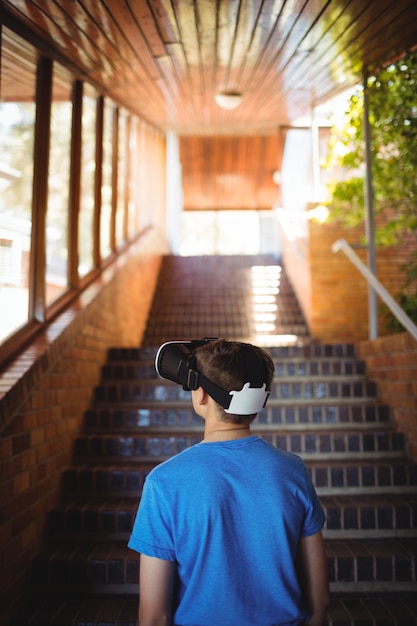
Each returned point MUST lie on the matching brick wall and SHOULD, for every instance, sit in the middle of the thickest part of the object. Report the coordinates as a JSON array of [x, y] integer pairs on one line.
[[44, 394], [392, 363], [332, 293], [339, 296]]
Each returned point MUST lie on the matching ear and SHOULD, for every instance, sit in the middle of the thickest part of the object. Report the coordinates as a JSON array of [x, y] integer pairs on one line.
[[201, 396]]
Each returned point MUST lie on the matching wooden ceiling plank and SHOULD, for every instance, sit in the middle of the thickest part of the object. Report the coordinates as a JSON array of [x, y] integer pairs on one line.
[[291, 55], [329, 57], [87, 54], [247, 19], [42, 17], [268, 56], [165, 18], [325, 44], [146, 24], [331, 60], [127, 38], [206, 15], [226, 35], [299, 39], [267, 16], [186, 21]]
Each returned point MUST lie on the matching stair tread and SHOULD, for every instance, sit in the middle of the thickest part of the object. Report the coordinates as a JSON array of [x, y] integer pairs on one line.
[[352, 610], [344, 501]]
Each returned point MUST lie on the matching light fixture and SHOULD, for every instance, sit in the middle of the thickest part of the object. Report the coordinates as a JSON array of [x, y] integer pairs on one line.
[[228, 99], [276, 177]]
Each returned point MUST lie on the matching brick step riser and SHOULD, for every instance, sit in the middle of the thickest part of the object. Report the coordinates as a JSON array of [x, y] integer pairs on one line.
[[157, 332], [334, 443], [318, 351], [366, 610], [350, 519], [114, 564], [160, 392], [168, 417], [327, 478], [85, 569], [370, 568], [123, 371]]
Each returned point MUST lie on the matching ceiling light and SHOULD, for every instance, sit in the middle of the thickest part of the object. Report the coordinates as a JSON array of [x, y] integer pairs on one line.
[[276, 177], [228, 99]]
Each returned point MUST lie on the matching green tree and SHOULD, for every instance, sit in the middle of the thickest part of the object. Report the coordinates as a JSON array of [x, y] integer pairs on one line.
[[393, 122]]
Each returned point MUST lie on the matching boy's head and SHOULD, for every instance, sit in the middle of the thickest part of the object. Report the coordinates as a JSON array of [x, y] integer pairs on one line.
[[232, 364]]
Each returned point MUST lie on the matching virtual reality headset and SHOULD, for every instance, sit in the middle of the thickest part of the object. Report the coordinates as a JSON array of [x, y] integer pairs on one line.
[[176, 361]]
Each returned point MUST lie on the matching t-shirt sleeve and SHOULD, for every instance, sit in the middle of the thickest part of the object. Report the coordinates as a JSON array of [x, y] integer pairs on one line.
[[314, 515], [152, 530]]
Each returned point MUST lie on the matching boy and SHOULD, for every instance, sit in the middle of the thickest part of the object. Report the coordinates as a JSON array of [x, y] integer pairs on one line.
[[229, 530]]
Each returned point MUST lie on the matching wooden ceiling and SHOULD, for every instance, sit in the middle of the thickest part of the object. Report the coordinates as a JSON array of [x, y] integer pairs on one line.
[[230, 172], [166, 59]]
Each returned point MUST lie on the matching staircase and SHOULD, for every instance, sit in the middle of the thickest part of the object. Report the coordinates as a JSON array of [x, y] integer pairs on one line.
[[322, 407]]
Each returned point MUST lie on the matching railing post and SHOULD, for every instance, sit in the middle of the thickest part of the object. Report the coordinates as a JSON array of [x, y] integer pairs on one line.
[[369, 213]]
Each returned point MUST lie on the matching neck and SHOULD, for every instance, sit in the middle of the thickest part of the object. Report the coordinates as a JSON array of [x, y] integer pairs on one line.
[[226, 432]]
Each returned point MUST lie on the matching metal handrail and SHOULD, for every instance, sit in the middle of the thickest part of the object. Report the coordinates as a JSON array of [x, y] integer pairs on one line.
[[401, 316]]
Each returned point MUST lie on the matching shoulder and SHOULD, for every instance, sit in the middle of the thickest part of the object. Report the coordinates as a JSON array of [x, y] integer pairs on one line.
[[178, 462], [282, 456]]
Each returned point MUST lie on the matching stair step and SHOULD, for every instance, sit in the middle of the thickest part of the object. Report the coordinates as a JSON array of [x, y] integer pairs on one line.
[[372, 610], [80, 610], [150, 443], [109, 567], [372, 565], [106, 480], [363, 477], [101, 610], [167, 416], [331, 414], [105, 518], [289, 368], [370, 516], [122, 370], [329, 477], [346, 516], [310, 351], [164, 391]]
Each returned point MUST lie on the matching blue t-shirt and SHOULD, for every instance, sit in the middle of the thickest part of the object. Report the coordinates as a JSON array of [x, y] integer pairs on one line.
[[230, 514]]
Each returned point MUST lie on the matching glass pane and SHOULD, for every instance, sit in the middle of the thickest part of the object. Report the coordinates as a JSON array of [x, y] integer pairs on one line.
[[17, 123], [88, 170], [134, 179], [58, 185], [121, 178], [106, 189]]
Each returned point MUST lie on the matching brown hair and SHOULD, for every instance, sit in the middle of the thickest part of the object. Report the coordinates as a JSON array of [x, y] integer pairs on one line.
[[224, 364]]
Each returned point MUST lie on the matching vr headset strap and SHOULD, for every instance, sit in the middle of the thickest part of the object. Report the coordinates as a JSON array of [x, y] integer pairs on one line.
[[195, 380]]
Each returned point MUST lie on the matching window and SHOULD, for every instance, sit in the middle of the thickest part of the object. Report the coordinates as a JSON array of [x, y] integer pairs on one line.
[[17, 123], [39, 202], [58, 185], [106, 189], [121, 178], [134, 179], [88, 170]]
